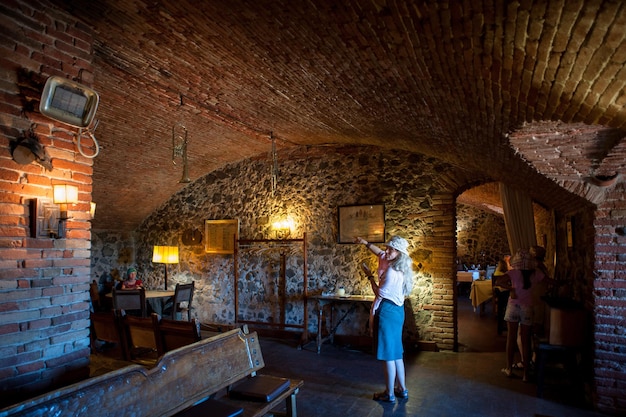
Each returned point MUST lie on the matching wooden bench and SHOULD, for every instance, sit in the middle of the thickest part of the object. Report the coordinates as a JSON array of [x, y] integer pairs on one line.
[[181, 379]]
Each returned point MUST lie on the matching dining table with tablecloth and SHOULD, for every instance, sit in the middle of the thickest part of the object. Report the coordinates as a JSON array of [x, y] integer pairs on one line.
[[481, 292]]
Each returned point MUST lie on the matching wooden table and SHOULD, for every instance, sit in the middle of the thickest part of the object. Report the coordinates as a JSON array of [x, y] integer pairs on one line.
[[464, 276], [159, 293], [481, 292], [157, 298], [331, 301]]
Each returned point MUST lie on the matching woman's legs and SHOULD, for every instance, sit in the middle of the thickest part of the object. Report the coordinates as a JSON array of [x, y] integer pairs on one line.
[[511, 343], [525, 336], [400, 374], [520, 345], [390, 375], [394, 371]]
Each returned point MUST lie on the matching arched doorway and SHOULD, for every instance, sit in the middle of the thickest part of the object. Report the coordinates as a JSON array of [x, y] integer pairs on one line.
[[481, 241]]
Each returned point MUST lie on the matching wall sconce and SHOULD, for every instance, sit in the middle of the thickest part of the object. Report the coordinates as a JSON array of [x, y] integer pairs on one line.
[[165, 255], [282, 228], [92, 210], [64, 194]]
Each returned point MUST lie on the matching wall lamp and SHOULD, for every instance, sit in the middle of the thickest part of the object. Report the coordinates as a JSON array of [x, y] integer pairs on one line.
[[92, 210], [165, 255], [64, 194], [283, 227]]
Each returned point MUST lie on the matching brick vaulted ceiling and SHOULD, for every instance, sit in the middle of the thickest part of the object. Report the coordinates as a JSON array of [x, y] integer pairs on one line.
[[527, 92]]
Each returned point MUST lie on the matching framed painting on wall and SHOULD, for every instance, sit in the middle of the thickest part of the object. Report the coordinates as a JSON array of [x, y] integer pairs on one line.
[[220, 236], [570, 233], [366, 221]]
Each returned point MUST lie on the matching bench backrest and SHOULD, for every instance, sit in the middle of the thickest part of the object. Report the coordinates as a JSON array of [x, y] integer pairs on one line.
[[181, 378]]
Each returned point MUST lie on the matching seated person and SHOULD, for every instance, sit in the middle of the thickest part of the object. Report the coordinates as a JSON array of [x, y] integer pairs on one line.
[[502, 294], [131, 281]]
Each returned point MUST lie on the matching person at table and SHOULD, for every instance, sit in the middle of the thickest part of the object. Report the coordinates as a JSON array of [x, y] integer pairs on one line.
[[502, 295], [131, 282], [394, 284], [519, 309]]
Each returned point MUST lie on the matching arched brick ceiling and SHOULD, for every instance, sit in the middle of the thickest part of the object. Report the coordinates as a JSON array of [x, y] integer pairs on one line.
[[483, 85]]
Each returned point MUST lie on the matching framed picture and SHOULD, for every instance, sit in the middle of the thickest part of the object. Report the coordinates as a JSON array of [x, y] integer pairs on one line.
[[570, 234], [367, 221], [44, 218], [220, 235]]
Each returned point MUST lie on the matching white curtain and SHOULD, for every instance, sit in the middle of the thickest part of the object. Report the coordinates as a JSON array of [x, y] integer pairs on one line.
[[519, 218]]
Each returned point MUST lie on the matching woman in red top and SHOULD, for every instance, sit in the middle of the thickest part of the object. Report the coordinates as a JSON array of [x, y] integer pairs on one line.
[[131, 282]]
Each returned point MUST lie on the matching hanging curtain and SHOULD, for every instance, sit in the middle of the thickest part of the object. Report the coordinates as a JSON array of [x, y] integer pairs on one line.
[[519, 218]]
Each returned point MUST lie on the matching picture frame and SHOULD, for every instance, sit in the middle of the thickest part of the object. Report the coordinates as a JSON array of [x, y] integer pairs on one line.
[[220, 236], [365, 220], [570, 233]]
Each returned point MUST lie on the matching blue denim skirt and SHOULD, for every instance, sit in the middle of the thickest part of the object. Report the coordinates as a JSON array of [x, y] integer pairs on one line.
[[388, 324]]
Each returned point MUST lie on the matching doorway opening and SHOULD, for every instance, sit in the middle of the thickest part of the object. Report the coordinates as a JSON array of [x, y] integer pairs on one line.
[[481, 241]]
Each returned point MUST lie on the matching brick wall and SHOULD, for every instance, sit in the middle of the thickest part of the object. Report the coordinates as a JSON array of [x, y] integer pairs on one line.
[[609, 302], [43, 282], [44, 298]]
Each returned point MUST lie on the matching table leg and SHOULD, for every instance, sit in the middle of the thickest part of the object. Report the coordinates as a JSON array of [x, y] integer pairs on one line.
[[319, 328]]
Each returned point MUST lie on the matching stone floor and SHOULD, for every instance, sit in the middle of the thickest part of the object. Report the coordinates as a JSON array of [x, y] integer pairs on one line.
[[341, 380]]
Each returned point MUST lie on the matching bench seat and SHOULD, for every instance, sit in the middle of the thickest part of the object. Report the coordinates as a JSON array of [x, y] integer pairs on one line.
[[181, 379]]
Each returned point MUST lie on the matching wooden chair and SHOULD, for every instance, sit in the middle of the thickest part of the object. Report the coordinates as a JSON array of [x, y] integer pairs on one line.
[[106, 327], [144, 339], [177, 333], [94, 295], [183, 294], [132, 302]]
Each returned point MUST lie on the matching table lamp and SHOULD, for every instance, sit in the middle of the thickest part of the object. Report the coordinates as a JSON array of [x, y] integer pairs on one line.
[[165, 255]]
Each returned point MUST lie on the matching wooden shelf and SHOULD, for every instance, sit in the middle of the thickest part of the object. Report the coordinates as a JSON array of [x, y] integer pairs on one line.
[[275, 243]]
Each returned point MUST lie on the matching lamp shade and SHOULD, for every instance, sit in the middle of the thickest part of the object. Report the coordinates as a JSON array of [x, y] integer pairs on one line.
[[165, 254], [65, 194]]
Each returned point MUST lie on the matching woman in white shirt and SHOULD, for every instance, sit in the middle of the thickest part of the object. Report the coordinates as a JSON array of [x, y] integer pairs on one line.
[[395, 282]]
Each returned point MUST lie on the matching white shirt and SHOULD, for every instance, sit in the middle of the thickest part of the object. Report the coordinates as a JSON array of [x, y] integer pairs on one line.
[[390, 284]]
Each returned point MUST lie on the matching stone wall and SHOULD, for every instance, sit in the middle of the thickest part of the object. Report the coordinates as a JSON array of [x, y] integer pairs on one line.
[[311, 185], [481, 236]]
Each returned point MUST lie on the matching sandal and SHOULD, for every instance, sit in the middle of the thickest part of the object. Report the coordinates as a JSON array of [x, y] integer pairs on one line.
[[507, 372], [518, 365], [384, 397], [401, 393]]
